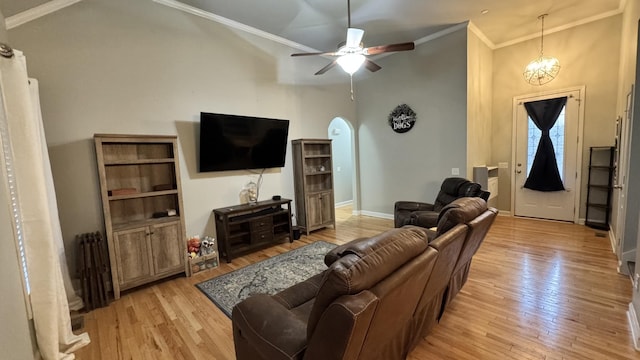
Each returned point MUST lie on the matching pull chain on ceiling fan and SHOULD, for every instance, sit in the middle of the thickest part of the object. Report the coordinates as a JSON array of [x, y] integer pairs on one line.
[[352, 55]]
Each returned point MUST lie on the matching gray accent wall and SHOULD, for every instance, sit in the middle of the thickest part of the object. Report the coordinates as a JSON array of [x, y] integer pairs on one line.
[[432, 80], [138, 67]]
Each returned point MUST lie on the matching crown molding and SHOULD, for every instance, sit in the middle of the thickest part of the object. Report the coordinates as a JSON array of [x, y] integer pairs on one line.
[[37, 12], [233, 24], [567, 26], [474, 29], [623, 5]]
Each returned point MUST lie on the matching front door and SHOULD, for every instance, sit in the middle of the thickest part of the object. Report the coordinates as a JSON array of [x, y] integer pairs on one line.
[[554, 205]]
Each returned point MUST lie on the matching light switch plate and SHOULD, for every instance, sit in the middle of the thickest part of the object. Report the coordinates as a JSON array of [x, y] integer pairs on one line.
[[503, 165]]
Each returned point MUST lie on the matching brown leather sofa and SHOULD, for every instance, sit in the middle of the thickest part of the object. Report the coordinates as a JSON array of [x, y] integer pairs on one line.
[[378, 298], [427, 214], [474, 213]]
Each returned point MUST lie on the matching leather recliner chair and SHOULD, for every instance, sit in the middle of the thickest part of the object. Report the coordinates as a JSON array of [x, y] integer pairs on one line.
[[364, 306], [426, 214]]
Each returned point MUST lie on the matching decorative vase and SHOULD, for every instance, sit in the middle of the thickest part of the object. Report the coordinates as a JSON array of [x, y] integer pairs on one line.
[[252, 192]]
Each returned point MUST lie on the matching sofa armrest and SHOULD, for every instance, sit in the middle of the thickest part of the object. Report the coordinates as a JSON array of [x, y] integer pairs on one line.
[[403, 210], [336, 253], [300, 293], [412, 206], [264, 328], [425, 219]]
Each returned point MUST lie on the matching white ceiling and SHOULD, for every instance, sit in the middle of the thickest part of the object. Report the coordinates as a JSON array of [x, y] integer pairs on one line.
[[321, 24]]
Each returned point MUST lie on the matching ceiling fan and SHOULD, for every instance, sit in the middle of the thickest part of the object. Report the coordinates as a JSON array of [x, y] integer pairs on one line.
[[352, 54]]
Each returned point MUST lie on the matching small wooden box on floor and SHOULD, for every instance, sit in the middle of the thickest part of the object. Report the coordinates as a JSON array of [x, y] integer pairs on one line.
[[203, 262], [143, 246], [313, 181]]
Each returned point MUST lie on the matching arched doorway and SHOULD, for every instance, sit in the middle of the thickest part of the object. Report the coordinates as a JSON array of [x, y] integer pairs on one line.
[[341, 133]]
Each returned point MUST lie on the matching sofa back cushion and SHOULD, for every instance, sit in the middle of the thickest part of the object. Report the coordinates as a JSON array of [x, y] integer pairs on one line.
[[460, 211], [449, 191], [478, 228]]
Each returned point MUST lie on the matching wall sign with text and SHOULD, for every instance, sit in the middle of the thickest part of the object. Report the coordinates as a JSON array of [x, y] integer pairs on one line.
[[402, 118]]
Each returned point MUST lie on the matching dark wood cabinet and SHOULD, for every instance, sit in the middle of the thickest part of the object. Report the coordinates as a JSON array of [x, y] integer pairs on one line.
[[245, 228]]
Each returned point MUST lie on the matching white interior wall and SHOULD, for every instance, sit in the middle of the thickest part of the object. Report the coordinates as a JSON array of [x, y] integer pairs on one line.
[[479, 93], [589, 55], [136, 67]]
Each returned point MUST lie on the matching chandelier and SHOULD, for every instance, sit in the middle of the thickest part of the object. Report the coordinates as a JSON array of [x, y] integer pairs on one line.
[[543, 69]]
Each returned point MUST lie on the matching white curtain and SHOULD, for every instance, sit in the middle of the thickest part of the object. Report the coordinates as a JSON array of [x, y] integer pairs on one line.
[[39, 216]]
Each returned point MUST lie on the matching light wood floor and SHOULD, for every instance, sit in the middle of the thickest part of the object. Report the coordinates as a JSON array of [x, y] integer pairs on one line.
[[536, 290]]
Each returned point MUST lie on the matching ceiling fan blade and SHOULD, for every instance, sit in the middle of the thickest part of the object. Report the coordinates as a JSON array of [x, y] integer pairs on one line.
[[371, 66], [374, 50], [316, 53], [327, 68], [354, 37]]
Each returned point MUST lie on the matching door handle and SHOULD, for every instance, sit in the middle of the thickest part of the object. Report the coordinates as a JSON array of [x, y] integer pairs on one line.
[[519, 171], [617, 186]]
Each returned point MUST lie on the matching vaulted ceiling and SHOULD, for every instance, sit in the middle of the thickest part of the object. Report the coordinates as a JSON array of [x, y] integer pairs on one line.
[[321, 24]]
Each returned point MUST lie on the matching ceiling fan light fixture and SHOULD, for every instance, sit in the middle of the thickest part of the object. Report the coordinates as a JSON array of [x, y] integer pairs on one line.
[[350, 63], [543, 69]]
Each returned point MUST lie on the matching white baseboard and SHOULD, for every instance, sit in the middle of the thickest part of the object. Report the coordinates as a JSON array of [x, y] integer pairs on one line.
[[612, 239], [356, 212], [504, 213], [635, 327], [376, 214], [581, 221], [344, 203]]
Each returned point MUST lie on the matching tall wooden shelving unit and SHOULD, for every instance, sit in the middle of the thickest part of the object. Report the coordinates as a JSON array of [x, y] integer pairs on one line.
[[313, 181], [600, 186], [142, 205]]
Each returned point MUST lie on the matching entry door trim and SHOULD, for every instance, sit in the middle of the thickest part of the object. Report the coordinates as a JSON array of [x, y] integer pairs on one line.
[[528, 97]]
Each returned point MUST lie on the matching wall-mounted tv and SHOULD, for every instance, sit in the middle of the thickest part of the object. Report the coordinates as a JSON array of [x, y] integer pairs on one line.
[[233, 142]]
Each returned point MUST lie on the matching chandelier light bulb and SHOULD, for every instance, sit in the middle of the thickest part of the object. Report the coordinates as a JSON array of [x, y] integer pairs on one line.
[[543, 69]]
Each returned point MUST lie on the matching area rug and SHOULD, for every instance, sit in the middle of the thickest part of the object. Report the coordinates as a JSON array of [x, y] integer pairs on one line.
[[269, 276]]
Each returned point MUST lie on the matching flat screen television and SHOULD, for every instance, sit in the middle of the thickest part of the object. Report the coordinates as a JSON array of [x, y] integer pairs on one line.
[[234, 142]]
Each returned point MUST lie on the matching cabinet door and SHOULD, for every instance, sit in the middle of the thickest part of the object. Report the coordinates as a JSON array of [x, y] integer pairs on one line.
[[314, 210], [167, 247], [327, 206], [132, 255]]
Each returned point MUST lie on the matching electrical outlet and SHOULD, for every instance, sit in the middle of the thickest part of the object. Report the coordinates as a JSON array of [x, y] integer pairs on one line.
[[455, 171], [503, 165], [338, 168]]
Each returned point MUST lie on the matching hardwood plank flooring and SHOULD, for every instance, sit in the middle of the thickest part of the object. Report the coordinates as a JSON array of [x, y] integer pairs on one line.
[[536, 290]]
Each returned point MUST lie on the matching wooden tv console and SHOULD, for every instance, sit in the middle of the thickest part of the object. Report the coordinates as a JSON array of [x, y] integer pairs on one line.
[[245, 228]]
